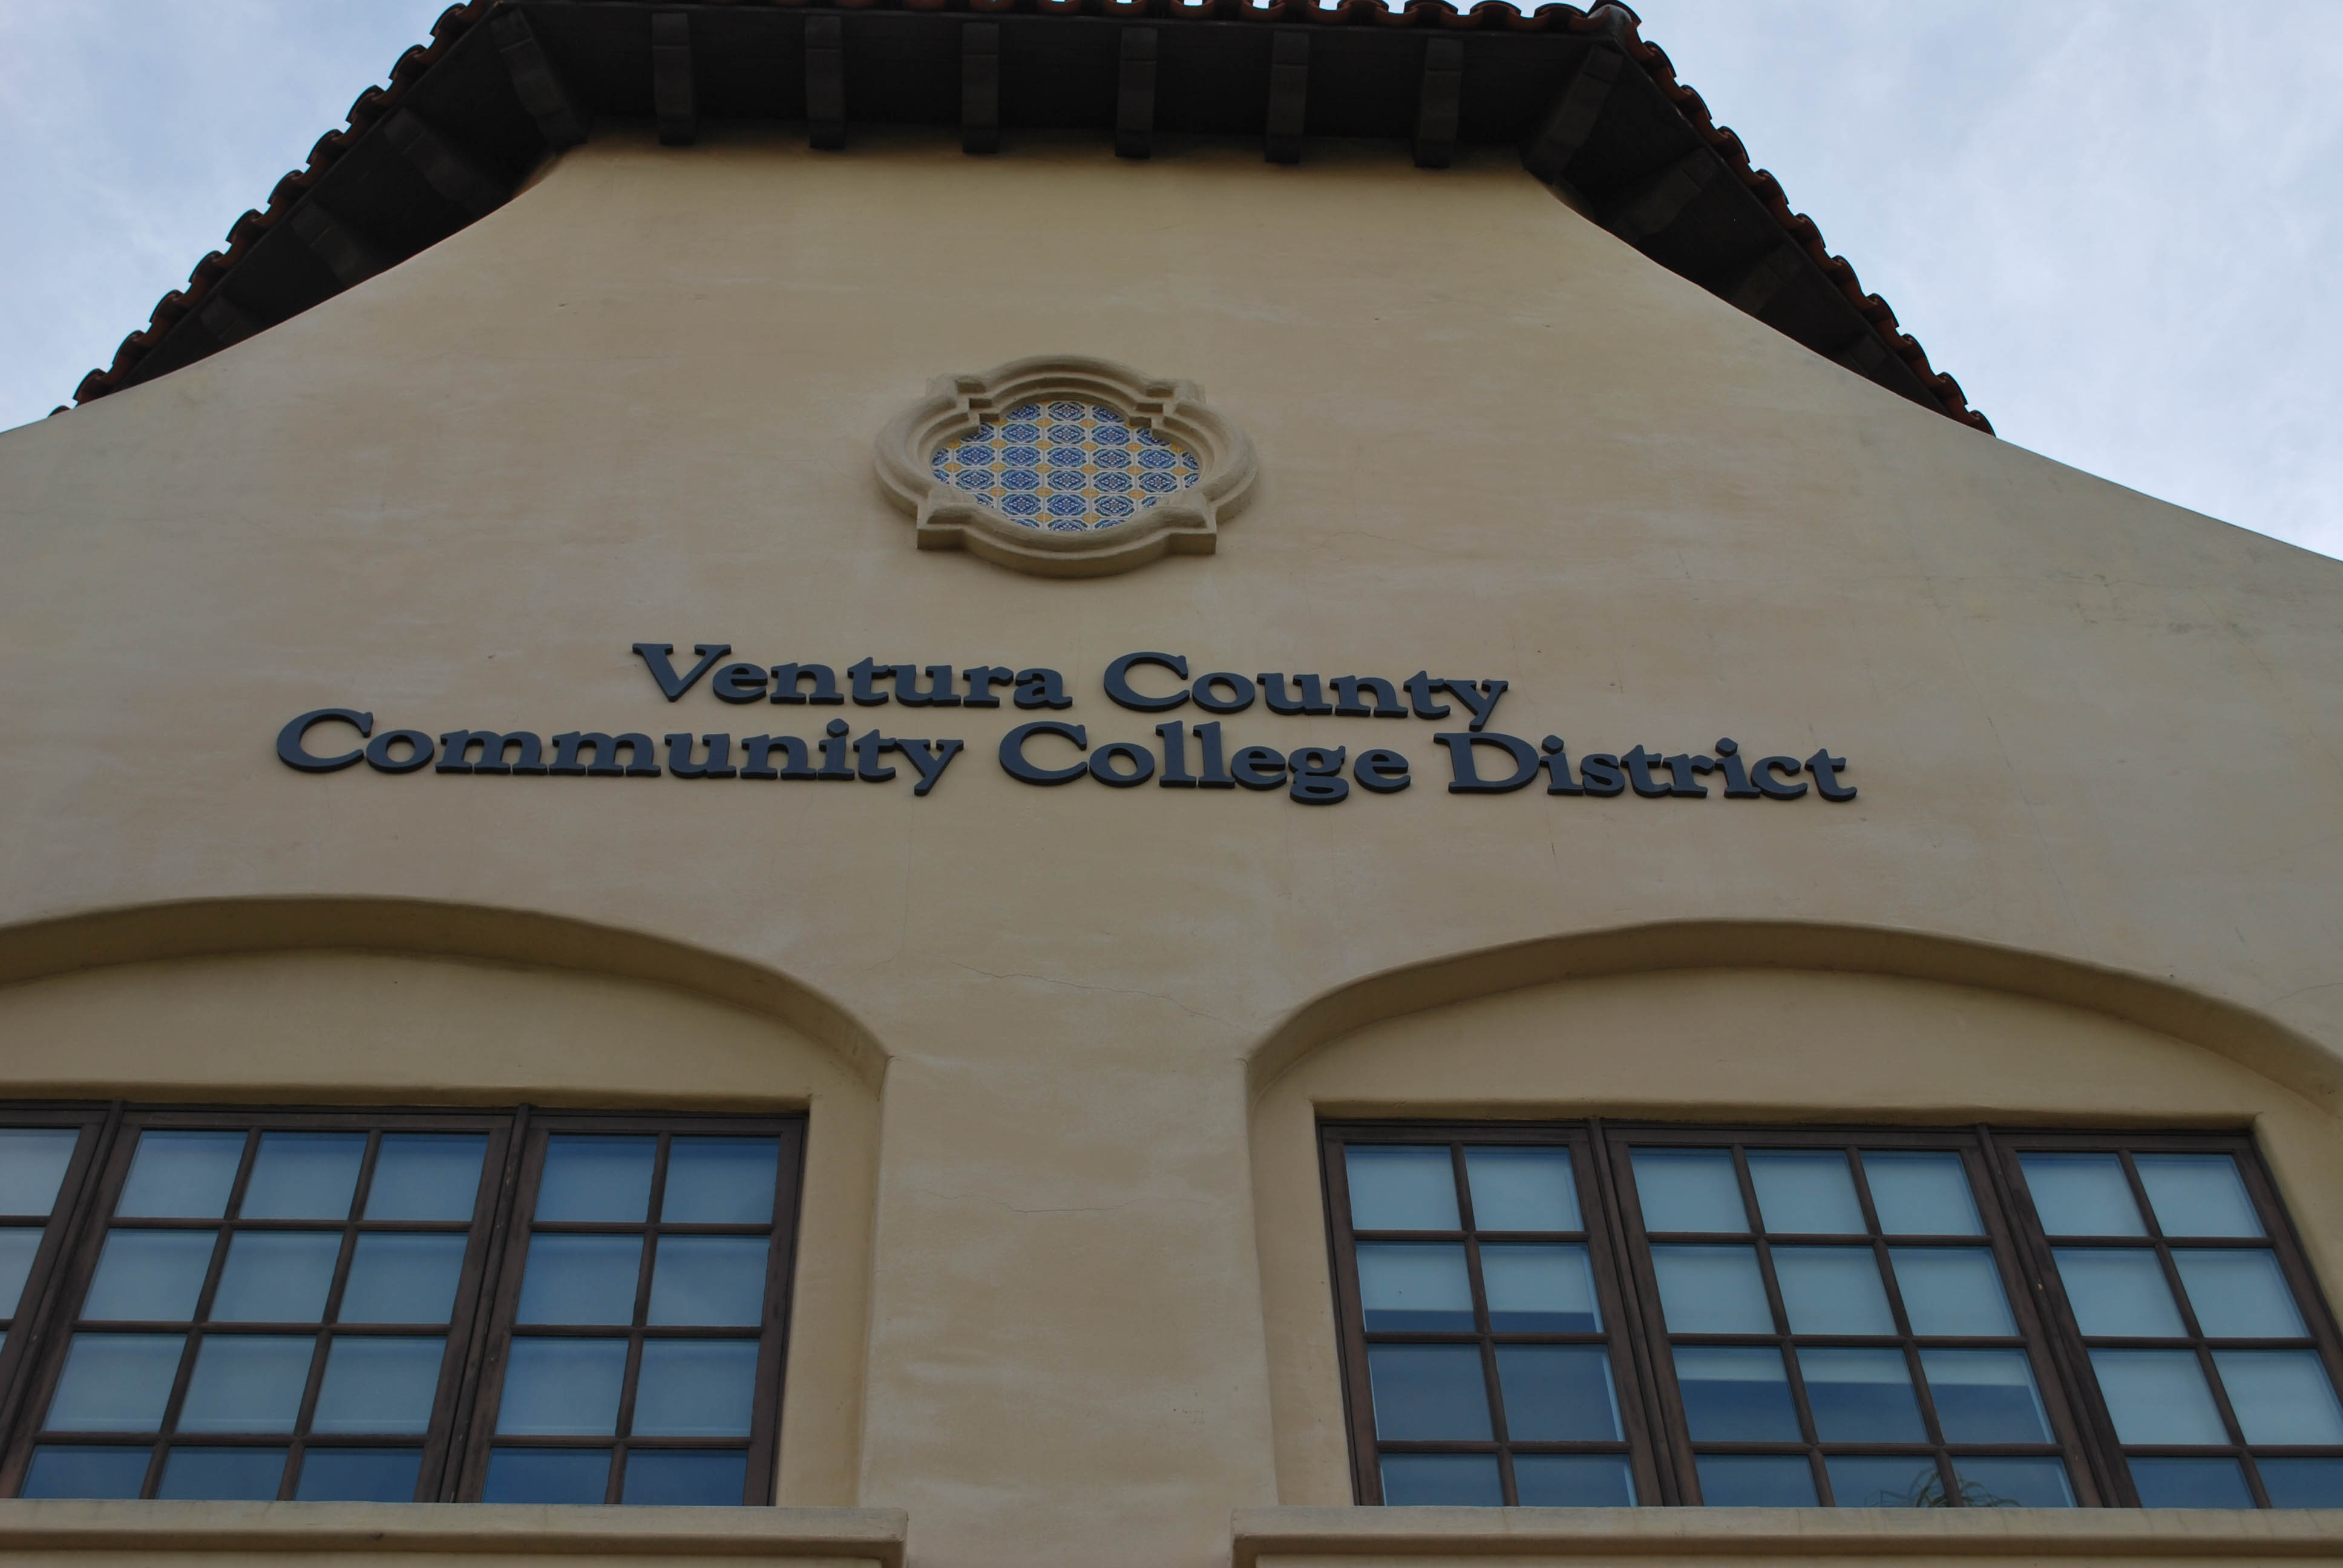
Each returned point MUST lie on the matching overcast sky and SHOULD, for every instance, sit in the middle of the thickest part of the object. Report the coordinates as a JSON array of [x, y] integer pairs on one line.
[[2116, 223]]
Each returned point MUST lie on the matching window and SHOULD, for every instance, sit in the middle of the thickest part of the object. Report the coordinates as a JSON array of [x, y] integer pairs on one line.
[[1598, 1315], [1067, 465], [395, 1307]]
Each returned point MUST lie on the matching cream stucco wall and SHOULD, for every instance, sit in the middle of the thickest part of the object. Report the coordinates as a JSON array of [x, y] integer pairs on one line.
[[638, 403]]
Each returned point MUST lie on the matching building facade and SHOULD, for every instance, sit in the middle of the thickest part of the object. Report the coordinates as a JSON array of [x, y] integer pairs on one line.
[[737, 776]]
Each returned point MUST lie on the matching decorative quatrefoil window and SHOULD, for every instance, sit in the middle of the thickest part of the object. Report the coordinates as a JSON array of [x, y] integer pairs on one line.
[[1065, 466]]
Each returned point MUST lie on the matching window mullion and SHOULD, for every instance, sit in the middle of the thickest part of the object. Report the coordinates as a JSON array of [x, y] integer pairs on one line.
[[1651, 1334], [466, 1444], [1358, 1400], [2086, 1417], [1654, 1446], [49, 1287]]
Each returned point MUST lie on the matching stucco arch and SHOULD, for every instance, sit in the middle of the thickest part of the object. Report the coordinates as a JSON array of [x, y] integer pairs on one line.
[[1730, 1022], [214, 928], [2253, 1040], [395, 1002]]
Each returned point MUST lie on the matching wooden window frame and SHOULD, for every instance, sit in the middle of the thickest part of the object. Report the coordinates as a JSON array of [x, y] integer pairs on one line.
[[771, 1332], [1595, 1218], [2279, 1237], [28, 1331], [1651, 1410], [453, 1446]]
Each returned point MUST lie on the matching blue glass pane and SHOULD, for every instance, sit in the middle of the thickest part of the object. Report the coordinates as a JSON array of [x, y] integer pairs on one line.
[[1441, 1480], [1414, 1286], [18, 1245], [2280, 1397], [1735, 1395], [116, 1382], [61, 1470], [696, 1388], [277, 1276], [562, 1388], [425, 1176], [233, 1474], [1572, 1481], [1952, 1291], [403, 1279], [33, 1161], [547, 1475], [1711, 1290], [304, 1176], [379, 1386], [2013, 1482], [1558, 1393], [1756, 1481], [596, 1176], [1398, 1188], [149, 1276], [2296, 1482], [580, 1278], [248, 1382], [1806, 1191], [2157, 1396], [1833, 1291], [1917, 1193], [2239, 1294], [719, 1182], [708, 1281], [2196, 1195], [2082, 1195], [359, 1475], [1428, 1392], [2190, 1484], [181, 1175], [1688, 1190], [2119, 1292], [1861, 1396], [1523, 1188], [1539, 1290], [1984, 1396], [702, 1480], [1885, 1480]]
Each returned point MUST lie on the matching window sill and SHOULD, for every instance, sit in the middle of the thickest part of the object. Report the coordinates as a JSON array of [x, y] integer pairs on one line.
[[1271, 1537], [871, 1536]]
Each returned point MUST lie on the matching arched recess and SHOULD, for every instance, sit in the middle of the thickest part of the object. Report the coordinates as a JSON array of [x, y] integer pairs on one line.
[[353, 1001], [1721, 1022]]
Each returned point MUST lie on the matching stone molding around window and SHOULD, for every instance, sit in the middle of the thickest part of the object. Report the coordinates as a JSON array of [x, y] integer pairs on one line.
[[1186, 520]]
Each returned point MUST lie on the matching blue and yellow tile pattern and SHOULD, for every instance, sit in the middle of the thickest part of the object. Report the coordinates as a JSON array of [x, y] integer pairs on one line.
[[1066, 466]]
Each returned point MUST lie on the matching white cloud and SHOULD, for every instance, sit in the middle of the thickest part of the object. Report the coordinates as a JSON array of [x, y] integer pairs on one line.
[[135, 132], [2114, 223]]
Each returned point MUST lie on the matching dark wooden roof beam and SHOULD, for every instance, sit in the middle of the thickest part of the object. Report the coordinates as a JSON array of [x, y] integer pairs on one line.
[[1654, 209], [980, 86], [345, 254], [1758, 286], [1565, 129], [534, 80], [1865, 355], [673, 97], [456, 177], [1289, 95], [825, 82], [1440, 101], [1134, 94], [228, 322]]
